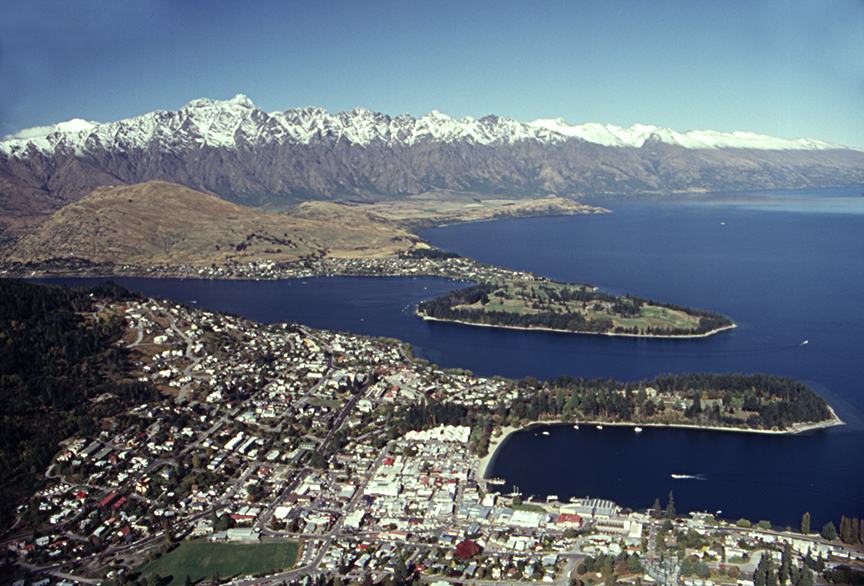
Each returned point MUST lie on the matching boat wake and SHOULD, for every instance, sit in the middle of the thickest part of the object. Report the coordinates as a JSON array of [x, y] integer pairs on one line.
[[689, 476]]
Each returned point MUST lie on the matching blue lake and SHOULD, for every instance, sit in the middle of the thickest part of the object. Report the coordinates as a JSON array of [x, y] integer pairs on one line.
[[785, 266]]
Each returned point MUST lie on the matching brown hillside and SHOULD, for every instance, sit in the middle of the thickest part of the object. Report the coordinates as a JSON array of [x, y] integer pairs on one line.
[[159, 223]]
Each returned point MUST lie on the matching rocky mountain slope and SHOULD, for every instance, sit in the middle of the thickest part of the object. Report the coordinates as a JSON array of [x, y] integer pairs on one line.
[[158, 223], [240, 153]]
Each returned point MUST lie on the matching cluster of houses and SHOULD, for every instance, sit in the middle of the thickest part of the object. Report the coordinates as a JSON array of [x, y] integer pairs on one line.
[[264, 269], [223, 459]]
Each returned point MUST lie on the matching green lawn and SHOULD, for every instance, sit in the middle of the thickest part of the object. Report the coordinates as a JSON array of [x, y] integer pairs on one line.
[[652, 316], [332, 403], [199, 559]]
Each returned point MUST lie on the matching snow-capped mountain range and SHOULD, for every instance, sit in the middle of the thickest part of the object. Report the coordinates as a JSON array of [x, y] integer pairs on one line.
[[237, 121], [241, 153]]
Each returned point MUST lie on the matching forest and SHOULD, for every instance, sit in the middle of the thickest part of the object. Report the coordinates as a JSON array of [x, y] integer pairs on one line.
[[55, 360], [751, 401], [566, 307]]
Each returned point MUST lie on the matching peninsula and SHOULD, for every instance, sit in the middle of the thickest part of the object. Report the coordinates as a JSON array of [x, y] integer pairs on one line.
[[176, 430], [548, 305]]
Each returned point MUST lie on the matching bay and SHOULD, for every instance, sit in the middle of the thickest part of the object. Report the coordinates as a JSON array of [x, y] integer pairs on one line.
[[785, 266], [743, 475]]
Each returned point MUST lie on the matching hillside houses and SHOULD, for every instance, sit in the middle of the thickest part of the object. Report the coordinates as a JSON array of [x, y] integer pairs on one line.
[[253, 438]]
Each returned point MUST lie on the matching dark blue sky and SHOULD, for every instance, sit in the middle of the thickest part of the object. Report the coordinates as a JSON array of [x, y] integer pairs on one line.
[[788, 68]]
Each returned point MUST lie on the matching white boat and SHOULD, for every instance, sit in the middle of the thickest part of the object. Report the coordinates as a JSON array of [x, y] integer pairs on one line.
[[599, 427], [576, 426], [688, 477], [545, 433], [638, 429]]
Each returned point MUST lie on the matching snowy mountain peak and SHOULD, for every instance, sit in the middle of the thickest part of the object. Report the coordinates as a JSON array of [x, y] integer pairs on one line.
[[243, 101], [70, 127], [225, 124]]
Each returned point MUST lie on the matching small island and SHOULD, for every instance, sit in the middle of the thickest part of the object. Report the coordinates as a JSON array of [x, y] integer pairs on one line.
[[549, 305], [119, 407]]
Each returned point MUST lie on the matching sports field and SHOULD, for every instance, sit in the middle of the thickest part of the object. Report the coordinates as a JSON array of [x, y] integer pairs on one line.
[[199, 559]]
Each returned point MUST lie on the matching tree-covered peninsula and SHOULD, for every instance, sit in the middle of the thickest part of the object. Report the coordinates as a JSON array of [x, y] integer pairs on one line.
[[733, 401], [545, 304]]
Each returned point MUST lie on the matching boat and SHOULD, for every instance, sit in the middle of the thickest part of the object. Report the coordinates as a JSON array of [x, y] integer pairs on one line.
[[494, 481], [545, 433], [576, 426], [688, 477], [638, 429], [599, 427]]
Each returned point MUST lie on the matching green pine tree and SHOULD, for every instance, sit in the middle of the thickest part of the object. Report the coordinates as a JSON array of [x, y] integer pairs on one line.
[[686, 567], [786, 564], [670, 508]]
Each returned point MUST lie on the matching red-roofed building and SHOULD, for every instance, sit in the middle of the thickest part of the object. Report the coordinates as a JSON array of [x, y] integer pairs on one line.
[[569, 520], [107, 500]]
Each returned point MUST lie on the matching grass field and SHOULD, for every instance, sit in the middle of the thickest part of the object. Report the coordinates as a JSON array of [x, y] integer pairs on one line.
[[199, 559], [526, 298]]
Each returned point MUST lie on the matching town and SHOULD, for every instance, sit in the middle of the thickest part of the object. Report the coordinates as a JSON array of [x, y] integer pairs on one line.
[[266, 434], [446, 265]]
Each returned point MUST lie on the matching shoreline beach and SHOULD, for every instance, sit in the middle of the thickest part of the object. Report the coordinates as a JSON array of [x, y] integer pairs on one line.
[[494, 443], [423, 316]]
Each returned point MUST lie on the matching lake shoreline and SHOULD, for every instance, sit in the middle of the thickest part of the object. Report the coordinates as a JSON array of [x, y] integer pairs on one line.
[[423, 316], [483, 466]]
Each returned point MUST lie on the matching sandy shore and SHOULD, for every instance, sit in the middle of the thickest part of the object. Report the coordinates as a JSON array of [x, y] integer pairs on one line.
[[794, 429], [494, 442], [538, 329]]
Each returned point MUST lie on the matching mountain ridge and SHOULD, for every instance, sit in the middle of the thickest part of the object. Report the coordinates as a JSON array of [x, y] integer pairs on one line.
[[363, 126], [242, 154]]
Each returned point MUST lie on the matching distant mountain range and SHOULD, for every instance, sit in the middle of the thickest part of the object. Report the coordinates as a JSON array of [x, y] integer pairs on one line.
[[242, 154]]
